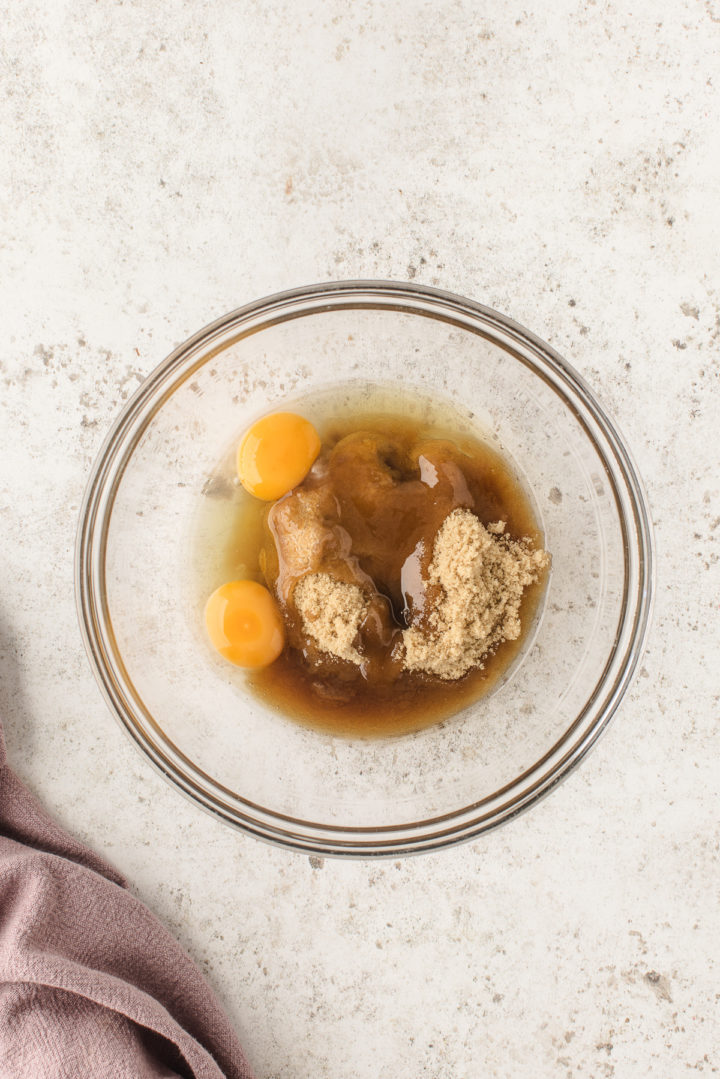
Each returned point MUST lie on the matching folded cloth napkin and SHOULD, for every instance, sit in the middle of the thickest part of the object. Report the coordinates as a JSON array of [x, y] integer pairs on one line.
[[91, 985]]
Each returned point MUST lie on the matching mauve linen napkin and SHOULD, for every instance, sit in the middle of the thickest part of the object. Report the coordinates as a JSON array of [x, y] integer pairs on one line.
[[91, 985]]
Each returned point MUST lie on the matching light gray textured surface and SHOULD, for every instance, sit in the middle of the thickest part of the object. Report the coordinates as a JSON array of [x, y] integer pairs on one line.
[[162, 164]]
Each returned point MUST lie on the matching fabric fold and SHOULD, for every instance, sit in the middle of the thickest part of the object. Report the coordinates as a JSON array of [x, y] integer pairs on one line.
[[91, 984]]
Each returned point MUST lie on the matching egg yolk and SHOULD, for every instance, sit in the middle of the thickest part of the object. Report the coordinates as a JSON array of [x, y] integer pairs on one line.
[[276, 454], [244, 624]]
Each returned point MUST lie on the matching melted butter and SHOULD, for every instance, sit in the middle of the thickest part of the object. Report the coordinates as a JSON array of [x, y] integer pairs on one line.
[[386, 488], [449, 468]]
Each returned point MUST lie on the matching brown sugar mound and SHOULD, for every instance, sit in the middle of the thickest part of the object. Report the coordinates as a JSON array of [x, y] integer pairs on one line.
[[381, 564], [331, 613], [300, 535], [475, 583]]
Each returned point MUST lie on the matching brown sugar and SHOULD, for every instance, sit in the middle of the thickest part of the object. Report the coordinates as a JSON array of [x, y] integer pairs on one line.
[[299, 535], [475, 582], [331, 613], [382, 565], [474, 588]]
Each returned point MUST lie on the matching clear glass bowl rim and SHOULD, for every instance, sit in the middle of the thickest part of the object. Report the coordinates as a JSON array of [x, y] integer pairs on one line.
[[469, 821]]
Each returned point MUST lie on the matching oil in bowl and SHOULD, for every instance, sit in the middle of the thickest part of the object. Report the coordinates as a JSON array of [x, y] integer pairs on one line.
[[393, 469]]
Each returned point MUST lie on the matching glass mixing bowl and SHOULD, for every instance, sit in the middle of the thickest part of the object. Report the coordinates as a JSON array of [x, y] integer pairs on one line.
[[190, 714]]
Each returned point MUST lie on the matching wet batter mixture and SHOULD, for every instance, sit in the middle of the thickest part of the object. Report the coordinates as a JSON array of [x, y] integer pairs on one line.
[[353, 558]]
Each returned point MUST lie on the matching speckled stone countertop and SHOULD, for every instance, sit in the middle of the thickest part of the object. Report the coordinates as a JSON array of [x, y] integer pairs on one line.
[[163, 164]]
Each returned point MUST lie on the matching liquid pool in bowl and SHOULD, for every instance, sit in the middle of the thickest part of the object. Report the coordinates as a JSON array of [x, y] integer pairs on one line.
[[230, 531], [262, 772]]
